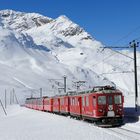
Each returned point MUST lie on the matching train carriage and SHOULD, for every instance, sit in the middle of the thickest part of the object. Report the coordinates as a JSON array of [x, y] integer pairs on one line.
[[75, 105], [64, 105], [103, 106], [40, 104], [48, 104], [29, 103], [56, 104], [34, 103]]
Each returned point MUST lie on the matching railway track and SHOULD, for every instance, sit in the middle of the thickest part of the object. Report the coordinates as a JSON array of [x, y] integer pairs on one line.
[[123, 133], [130, 131], [126, 133]]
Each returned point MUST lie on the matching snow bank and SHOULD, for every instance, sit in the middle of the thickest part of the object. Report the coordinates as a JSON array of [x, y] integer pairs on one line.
[[26, 124]]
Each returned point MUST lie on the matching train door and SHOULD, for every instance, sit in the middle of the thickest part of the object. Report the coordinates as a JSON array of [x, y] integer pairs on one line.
[[68, 100], [80, 105], [94, 105], [110, 106]]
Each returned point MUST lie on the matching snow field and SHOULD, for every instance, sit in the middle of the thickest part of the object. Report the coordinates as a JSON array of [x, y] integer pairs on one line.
[[27, 124]]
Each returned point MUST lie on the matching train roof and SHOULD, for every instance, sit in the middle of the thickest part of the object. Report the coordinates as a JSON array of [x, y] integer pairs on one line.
[[97, 90]]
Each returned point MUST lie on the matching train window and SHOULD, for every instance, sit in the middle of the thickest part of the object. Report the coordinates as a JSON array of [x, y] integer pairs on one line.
[[110, 100], [78, 101], [83, 101], [94, 101], [62, 101], [40, 102], [73, 101], [101, 100], [66, 101], [87, 101], [117, 99]]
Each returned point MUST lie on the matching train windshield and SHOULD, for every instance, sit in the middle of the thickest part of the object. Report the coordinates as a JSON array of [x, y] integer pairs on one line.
[[101, 100], [117, 99], [110, 100]]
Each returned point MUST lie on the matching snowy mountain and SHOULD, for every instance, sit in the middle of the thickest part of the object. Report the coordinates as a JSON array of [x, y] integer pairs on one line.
[[37, 51], [21, 21]]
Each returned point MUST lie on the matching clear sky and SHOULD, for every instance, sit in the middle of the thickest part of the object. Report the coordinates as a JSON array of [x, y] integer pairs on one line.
[[113, 22]]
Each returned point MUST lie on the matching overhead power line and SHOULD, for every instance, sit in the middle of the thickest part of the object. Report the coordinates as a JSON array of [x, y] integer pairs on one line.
[[117, 72], [112, 47]]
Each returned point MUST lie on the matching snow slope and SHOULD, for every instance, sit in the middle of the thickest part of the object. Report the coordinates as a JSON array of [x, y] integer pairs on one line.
[[26, 124], [37, 51], [84, 51], [27, 67]]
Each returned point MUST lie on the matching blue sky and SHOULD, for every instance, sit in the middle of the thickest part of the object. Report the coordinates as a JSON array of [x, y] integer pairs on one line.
[[113, 22]]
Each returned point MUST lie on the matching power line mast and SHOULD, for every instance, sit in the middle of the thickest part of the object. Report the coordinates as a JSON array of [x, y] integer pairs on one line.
[[65, 84], [134, 45]]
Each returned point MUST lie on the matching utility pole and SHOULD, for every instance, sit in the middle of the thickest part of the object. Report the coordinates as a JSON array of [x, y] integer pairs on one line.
[[10, 98], [65, 84], [5, 99], [3, 107], [78, 84], [13, 95], [134, 45], [40, 92]]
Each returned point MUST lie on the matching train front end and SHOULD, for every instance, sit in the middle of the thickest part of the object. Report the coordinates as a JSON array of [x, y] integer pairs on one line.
[[109, 108]]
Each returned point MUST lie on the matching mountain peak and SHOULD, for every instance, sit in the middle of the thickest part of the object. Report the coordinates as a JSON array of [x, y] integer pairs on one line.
[[63, 18], [9, 13], [21, 21]]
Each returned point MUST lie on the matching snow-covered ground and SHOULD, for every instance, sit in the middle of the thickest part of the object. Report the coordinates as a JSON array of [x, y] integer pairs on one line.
[[26, 124]]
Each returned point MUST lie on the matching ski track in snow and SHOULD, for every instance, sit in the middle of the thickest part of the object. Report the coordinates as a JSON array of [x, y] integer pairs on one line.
[[26, 124]]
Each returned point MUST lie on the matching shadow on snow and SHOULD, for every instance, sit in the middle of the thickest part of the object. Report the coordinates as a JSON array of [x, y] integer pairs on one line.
[[130, 115]]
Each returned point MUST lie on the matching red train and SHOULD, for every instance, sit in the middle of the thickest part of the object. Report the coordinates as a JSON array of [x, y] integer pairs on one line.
[[102, 105]]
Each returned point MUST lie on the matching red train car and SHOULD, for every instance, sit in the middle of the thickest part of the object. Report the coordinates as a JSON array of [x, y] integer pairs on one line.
[[29, 103], [56, 104], [75, 105], [64, 105], [48, 104], [40, 104], [34, 103], [104, 105]]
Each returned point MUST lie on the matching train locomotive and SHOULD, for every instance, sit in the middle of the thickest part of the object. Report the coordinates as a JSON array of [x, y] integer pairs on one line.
[[103, 105]]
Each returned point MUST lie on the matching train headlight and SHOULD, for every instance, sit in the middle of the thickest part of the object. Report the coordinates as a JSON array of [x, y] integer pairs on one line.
[[100, 110], [120, 109]]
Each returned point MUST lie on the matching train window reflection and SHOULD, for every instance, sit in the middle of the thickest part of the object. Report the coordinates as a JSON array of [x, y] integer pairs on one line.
[[110, 100], [102, 100], [117, 99]]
